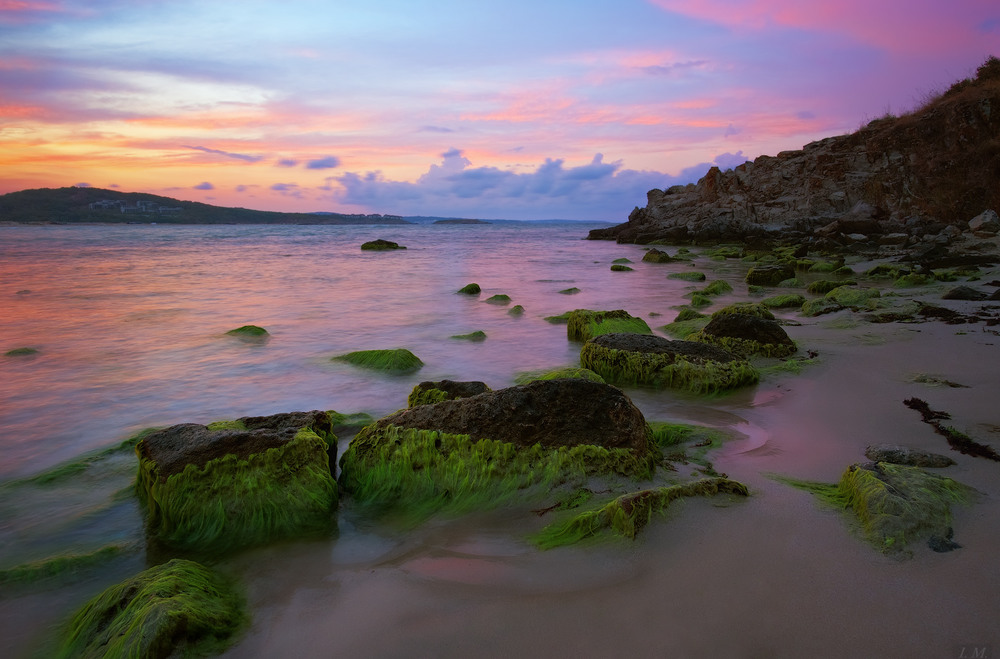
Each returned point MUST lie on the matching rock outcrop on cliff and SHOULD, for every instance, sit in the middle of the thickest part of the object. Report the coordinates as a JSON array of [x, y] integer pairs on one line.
[[896, 179]]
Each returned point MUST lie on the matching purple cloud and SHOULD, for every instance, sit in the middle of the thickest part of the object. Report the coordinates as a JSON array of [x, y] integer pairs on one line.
[[328, 162], [286, 162], [83, 185], [204, 186], [227, 154]]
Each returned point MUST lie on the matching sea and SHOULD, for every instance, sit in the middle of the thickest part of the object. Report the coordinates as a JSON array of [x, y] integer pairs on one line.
[[118, 328]]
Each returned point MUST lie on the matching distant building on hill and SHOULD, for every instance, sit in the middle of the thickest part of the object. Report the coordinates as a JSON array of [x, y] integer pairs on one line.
[[142, 206]]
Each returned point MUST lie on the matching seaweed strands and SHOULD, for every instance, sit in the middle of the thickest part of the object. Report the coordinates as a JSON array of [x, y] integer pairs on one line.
[[958, 441]]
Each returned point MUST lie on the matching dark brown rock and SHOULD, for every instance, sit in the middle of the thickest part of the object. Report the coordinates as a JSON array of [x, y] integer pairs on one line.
[[903, 455], [964, 293], [748, 328]]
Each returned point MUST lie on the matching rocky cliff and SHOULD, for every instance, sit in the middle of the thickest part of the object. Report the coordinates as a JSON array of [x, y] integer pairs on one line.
[[921, 175]]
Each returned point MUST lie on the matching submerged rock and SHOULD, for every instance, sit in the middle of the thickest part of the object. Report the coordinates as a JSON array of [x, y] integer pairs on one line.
[[399, 360], [381, 245], [769, 275], [656, 256], [653, 360], [486, 449], [428, 392], [470, 289], [180, 608], [240, 483]]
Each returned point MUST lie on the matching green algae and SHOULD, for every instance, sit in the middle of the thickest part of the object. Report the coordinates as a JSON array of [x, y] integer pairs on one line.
[[681, 329], [570, 291], [824, 286], [561, 319], [618, 267], [667, 370], [626, 515], [478, 335], [399, 360], [725, 252], [843, 271], [756, 291], [819, 307], [851, 296], [249, 331], [888, 271], [912, 280], [499, 298], [57, 566], [769, 275], [584, 324], [420, 472], [687, 313], [757, 309], [657, 256], [793, 282], [622, 260], [21, 352], [786, 301], [233, 502], [894, 505], [470, 289], [667, 434], [571, 372], [699, 300], [226, 424], [341, 421], [420, 396], [718, 287], [78, 466], [687, 276], [177, 608], [516, 310], [786, 366], [823, 267]]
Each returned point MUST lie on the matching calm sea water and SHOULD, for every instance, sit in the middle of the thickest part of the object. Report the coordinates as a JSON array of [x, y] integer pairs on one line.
[[129, 323]]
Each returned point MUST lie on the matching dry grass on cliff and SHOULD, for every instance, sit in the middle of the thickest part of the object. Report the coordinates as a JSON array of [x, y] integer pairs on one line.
[[950, 149]]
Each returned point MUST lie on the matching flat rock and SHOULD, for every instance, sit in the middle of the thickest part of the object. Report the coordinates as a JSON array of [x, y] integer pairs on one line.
[[903, 455]]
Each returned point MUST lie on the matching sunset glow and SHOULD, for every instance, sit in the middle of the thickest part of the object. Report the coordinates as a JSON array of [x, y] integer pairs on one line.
[[521, 110]]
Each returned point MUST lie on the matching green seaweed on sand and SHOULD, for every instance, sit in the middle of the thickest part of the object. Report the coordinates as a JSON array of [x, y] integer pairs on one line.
[[895, 505], [584, 324], [628, 514], [177, 608], [398, 360], [418, 472]]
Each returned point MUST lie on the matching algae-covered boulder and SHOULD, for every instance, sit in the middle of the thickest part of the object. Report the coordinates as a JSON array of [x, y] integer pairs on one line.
[[180, 608], [488, 449], [656, 256], [620, 267], [687, 276], [746, 334], [499, 298], [558, 374], [786, 301], [243, 483], [584, 324], [250, 334], [478, 335], [434, 392], [769, 275], [399, 360], [381, 245], [653, 360], [470, 289]]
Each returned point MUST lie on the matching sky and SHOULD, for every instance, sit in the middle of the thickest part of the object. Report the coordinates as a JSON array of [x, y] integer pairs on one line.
[[523, 109]]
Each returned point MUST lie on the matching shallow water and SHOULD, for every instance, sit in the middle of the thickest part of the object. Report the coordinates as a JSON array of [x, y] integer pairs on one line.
[[129, 323]]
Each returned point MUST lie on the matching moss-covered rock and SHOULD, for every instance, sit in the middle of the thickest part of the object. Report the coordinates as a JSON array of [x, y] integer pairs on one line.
[[746, 334], [769, 275], [824, 286], [516, 310], [498, 446], [559, 374], [427, 393], [570, 291], [717, 287], [653, 360], [262, 479], [618, 267], [895, 504], [381, 245], [499, 298], [622, 260], [819, 307], [786, 301], [250, 334], [584, 324], [888, 271], [180, 608], [913, 280], [687, 276], [21, 352], [470, 289], [852, 296], [399, 360], [628, 514], [478, 335], [757, 309], [657, 256], [699, 300]]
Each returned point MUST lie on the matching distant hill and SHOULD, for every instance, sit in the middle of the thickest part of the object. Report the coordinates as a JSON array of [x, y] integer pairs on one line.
[[76, 205]]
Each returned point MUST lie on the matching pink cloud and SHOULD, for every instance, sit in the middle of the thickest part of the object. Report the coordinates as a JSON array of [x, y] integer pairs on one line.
[[901, 26]]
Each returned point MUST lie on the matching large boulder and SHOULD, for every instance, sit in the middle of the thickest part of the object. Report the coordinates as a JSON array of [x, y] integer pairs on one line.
[[584, 324], [769, 275], [653, 360], [180, 608], [486, 449], [986, 222], [746, 334], [238, 483]]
